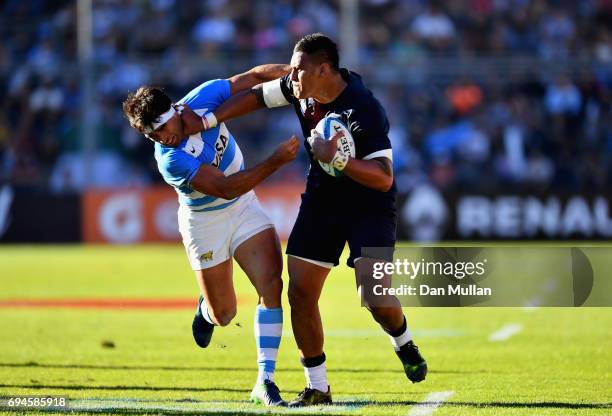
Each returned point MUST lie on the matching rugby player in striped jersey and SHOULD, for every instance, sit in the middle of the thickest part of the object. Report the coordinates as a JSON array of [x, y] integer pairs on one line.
[[219, 215]]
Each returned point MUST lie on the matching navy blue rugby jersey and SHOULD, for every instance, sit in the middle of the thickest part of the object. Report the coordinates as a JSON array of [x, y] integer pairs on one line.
[[367, 121]]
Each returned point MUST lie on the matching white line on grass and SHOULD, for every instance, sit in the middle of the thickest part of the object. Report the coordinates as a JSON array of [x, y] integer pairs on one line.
[[505, 332], [431, 403], [107, 405]]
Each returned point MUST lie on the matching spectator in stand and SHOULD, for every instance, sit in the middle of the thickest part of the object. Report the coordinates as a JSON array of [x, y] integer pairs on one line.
[[528, 123], [563, 97], [464, 96], [434, 28]]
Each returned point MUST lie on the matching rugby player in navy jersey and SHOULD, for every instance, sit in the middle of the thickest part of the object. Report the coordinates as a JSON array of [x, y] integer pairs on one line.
[[219, 215], [358, 208]]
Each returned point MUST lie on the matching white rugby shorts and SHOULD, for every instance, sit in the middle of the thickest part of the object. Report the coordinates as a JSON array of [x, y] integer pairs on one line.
[[211, 237]]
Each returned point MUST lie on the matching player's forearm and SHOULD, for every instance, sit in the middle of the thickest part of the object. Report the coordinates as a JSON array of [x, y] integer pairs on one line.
[[258, 75], [268, 72], [210, 180], [371, 173], [239, 183], [237, 105]]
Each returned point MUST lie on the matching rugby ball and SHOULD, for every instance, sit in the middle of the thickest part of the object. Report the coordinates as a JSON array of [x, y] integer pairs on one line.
[[328, 127]]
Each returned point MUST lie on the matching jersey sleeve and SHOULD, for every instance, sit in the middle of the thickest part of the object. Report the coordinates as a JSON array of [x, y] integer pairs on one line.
[[370, 131], [273, 94], [287, 89], [209, 95], [178, 168]]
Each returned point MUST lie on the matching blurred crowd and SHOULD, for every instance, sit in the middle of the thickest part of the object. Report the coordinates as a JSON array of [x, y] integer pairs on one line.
[[510, 94]]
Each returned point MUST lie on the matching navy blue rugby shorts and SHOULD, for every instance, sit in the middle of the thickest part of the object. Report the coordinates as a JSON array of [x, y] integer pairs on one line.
[[322, 228]]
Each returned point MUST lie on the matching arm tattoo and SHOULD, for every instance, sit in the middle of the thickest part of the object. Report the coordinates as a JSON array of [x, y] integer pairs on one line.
[[258, 92]]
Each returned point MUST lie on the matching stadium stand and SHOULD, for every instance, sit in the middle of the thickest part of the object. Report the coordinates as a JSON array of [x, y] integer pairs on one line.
[[481, 94]]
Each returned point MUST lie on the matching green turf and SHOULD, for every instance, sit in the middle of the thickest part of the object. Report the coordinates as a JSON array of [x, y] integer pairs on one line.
[[559, 364]]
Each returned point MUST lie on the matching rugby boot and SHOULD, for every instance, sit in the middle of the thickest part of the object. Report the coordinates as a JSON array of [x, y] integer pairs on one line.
[[312, 397], [268, 394], [202, 329], [414, 364]]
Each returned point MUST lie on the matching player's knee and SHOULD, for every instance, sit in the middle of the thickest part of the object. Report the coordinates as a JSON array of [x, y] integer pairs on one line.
[[388, 317], [380, 312], [377, 312], [276, 270], [223, 315], [273, 270], [299, 296], [293, 296], [271, 290], [275, 287]]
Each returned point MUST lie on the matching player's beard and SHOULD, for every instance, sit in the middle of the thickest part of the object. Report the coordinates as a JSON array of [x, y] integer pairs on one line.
[[298, 92]]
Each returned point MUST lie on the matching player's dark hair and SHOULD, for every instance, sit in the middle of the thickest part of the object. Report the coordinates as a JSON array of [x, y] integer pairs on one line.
[[145, 105], [321, 47]]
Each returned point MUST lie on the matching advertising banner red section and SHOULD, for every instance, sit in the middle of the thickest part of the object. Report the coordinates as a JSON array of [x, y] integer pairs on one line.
[[150, 215], [130, 216]]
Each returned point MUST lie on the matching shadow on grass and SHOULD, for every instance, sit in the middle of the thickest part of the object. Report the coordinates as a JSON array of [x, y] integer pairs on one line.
[[525, 405], [122, 388], [33, 364]]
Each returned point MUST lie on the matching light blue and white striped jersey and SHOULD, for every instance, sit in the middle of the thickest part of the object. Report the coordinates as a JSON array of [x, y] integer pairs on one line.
[[216, 147]]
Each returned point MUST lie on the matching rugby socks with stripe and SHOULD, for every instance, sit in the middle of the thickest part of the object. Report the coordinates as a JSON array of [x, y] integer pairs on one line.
[[268, 331], [400, 337], [316, 373]]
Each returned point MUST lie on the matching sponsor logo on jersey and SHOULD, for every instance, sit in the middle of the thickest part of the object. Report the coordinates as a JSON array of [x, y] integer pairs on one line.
[[220, 146], [194, 145]]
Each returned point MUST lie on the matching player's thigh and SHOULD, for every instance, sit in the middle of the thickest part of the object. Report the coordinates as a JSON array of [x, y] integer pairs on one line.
[[318, 234], [306, 280], [217, 287], [260, 258], [255, 246], [372, 230], [206, 240], [371, 280], [206, 237]]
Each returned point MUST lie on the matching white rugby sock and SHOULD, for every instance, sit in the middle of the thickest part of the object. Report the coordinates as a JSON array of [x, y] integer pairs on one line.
[[205, 313], [317, 377], [400, 337]]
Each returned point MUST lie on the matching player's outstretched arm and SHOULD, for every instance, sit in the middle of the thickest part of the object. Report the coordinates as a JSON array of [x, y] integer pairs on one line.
[[211, 181], [246, 94], [238, 84], [268, 94], [244, 102], [257, 75]]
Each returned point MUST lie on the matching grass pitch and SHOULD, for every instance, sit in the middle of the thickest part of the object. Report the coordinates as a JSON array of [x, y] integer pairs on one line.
[[547, 361]]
